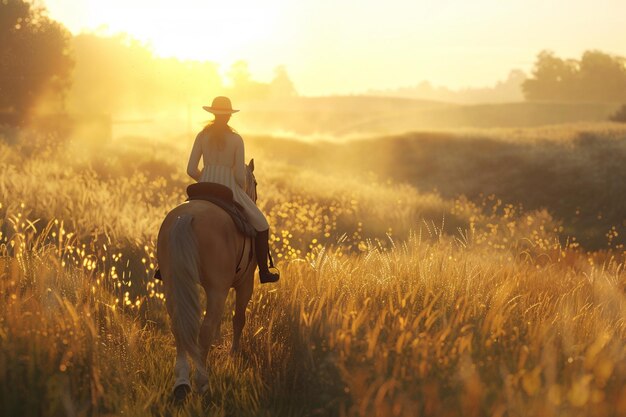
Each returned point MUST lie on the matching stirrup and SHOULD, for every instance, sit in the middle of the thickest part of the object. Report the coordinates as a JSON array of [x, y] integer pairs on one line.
[[272, 274], [269, 276]]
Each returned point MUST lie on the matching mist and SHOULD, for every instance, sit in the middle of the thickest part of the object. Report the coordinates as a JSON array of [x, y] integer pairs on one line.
[[120, 88]]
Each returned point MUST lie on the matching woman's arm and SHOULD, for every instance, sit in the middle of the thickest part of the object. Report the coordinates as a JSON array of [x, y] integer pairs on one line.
[[240, 164], [194, 159]]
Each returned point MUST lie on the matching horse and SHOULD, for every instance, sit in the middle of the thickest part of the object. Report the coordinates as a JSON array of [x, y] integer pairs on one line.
[[198, 243]]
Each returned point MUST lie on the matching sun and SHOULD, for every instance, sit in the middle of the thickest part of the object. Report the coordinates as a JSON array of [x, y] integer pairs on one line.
[[192, 29]]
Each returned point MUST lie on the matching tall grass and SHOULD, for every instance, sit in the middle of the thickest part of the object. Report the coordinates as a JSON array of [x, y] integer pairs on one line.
[[425, 307], [574, 171]]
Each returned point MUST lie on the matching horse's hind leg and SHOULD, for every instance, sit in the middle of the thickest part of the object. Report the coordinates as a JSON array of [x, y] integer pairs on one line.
[[182, 385], [243, 295], [209, 331], [182, 369]]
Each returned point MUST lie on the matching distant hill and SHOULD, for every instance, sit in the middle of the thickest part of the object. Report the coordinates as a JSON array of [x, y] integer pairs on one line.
[[344, 104], [504, 91], [329, 115], [505, 115], [372, 115]]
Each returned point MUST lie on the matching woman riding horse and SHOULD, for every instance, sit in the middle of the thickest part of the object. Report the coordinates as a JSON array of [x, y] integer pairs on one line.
[[199, 244], [222, 152]]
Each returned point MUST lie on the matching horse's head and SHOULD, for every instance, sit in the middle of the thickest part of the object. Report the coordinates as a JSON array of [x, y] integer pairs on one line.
[[251, 181]]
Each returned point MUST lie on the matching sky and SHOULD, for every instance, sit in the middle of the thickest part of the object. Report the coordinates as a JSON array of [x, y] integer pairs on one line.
[[352, 46]]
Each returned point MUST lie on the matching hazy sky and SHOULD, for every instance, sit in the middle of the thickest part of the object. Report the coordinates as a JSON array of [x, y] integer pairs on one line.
[[346, 46]]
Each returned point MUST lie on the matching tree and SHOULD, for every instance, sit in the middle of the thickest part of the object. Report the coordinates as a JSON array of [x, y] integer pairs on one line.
[[243, 86], [34, 57], [602, 77], [597, 76], [552, 78], [282, 86], [240, 75]]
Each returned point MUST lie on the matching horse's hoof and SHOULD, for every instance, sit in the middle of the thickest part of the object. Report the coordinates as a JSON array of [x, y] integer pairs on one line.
[[181, 392]]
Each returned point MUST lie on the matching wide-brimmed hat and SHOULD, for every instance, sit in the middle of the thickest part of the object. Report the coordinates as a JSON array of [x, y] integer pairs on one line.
[[220, 105]]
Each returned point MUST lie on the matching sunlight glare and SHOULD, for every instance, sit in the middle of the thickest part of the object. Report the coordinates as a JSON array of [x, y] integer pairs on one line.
[[220, 32]]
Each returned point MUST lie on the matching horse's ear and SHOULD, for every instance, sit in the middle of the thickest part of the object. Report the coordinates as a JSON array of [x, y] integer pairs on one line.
[[251, 165]]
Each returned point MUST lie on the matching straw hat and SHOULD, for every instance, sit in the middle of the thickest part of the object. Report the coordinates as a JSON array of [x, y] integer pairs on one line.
[[220, 105]]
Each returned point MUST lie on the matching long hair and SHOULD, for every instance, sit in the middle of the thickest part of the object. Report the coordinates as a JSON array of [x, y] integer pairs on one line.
[[217, 133]]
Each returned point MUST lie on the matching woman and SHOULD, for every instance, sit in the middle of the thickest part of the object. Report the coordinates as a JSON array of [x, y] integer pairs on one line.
[[222, 152]]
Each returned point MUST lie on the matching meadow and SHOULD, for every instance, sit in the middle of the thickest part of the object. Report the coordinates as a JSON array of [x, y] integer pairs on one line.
[[424, 274]]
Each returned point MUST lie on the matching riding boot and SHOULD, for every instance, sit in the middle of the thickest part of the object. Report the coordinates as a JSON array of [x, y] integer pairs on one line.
[[261, 247]]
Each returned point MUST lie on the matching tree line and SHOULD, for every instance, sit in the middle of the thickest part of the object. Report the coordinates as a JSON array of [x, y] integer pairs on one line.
[[595, 77], [39, 58], [46, 70]]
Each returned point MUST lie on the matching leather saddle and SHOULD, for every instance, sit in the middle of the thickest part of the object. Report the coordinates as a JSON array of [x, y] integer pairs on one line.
[[222, 196]]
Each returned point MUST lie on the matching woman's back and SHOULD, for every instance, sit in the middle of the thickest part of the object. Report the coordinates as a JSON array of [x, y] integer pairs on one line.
[[219, 151]]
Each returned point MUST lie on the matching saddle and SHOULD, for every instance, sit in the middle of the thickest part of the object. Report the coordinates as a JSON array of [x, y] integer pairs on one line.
[[222, 196]]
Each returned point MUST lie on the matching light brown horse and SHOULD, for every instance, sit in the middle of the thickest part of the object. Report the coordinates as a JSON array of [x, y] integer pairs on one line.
[[198, 244]]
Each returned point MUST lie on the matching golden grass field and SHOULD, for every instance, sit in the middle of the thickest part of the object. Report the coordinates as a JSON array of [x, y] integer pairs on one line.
[[393, 301]]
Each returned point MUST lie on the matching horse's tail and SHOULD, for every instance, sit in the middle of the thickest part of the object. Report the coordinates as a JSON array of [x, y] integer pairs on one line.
[[185, 279]]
